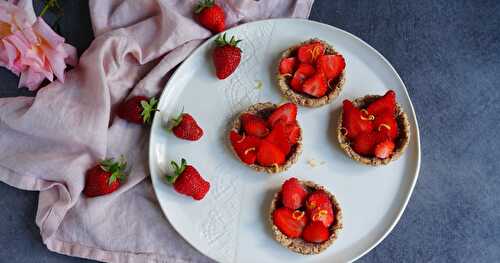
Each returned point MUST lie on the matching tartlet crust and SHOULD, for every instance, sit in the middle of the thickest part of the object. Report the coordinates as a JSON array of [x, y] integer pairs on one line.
[[263, 110], [401, 142], [304, 99], [298, 245]]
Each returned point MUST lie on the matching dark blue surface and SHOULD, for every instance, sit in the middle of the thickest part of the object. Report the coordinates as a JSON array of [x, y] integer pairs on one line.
[[448, 54]]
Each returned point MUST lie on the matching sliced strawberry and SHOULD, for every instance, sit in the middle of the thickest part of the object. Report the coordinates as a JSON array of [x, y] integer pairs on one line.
[[387, 103], [331, 65], [317, 199], [303, 72], [354, 120], [279, 137], [323, 215], [293, 131], [268, 154], [316, 85], [254, 125], [286, 112], [386, 123], [310, 52], [289, 222], [288, 65], [364, 143], [293, 193], [315, 232], [384, 149], [246, 146]]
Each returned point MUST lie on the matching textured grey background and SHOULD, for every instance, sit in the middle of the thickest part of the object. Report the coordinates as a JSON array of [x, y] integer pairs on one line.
[[448, 54]]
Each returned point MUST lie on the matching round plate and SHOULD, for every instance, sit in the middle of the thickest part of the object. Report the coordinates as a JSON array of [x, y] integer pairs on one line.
[[230, 223]]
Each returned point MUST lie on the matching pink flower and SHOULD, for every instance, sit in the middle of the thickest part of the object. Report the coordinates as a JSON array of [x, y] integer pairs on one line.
[[33, 50]]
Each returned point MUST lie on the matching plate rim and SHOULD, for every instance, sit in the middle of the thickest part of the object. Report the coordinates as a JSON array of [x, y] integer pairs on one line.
[[416, 136]]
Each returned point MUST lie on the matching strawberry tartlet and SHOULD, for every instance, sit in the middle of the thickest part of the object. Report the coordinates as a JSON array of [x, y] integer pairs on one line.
[[373, 129], [305, 217], [311, 73], [267, 137]]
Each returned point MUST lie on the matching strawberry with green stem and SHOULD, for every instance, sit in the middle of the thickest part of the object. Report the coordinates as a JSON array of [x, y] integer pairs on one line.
[[105, 177], [226, 56], [210, 15], [185, 127], [138, 109], [188, 181]]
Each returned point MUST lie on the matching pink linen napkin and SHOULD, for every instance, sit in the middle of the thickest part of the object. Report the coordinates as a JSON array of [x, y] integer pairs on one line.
[[48, 142]]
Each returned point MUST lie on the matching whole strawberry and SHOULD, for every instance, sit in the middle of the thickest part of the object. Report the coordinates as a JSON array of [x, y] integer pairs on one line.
[[138, 109], [210, 15], [226, 56], [188, 181], [186, 127], [105, 177]]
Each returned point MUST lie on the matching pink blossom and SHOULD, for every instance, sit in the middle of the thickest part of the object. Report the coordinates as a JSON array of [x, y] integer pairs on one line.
[[32, 50]]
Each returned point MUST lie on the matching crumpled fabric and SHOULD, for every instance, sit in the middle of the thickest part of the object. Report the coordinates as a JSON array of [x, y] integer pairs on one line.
[[48, 142]]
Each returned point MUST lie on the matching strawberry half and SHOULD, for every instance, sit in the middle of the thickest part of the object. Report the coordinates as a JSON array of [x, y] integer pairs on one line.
[[186, 127], [310, 52], [210, 15], [316, 85], [226, 56], [279, 137], [385, 104], [354, 121], [365, 142], [288, 65], [188, 181], [303, 72], [286, 112], [384, 149], [315, 232], [323, 215], [269, 155], [254, 125], [331, 65], [293, 132], [387, 124], [289, 222], [317, 199], [293, 193], [245, 146], [105, 177]]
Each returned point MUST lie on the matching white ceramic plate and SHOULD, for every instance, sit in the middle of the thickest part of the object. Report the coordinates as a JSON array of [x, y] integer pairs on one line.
[[230, 224]]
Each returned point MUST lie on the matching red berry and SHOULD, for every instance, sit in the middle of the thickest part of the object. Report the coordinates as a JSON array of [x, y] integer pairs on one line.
[[317, 199], [226, 56], [245, 146], [310, 52], [186, 127], [279, 137], [323, 215], [331, 65], [138, 109], [210, 15], [288, 65], [188, 181], [104, 178], [386, 123], [269, 155], [316, 85], [364, 143], [293, 193], [385, 104], [286, 112], [315, 232], [254, 125], [384, 149], [355, 121], [303, 72], [289, 222]]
